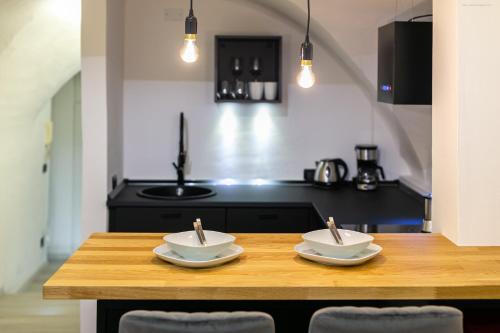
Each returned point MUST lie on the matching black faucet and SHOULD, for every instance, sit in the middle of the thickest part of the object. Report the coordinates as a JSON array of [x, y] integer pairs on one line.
[[181, 158]]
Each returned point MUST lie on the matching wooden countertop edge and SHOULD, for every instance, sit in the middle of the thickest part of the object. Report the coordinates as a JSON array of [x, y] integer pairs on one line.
[[477, 276], [273, 293]]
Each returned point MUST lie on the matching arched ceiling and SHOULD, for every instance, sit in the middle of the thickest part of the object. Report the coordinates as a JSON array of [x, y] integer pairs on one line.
[[39, 51], [335, 22]]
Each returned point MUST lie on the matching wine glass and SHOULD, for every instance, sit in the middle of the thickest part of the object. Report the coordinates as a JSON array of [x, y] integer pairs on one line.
[[236, 66], [224, 89], [240, 90], [255, 67]]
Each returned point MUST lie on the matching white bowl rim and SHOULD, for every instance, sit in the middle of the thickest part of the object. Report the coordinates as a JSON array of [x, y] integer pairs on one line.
[[306, 237], [230, 239]]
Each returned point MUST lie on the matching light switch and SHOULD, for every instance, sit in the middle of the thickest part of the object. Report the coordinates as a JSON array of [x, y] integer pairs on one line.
[[48, 132]]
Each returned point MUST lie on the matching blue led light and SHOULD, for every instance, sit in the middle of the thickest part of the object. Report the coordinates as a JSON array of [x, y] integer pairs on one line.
[[386, 87]]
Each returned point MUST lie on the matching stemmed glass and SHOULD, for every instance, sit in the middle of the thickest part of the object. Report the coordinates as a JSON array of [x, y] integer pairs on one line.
[[255, 67], [239, 86], [236, 66]]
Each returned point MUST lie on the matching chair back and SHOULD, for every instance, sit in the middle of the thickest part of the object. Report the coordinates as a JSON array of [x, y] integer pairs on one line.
[[200, 322], [428, 319]]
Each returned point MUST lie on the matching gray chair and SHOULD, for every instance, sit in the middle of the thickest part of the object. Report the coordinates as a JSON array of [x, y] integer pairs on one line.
[[428, 319], [200, 322]]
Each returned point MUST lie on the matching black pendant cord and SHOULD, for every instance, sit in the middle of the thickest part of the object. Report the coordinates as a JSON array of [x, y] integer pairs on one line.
[[191, 24], [306, 50], [308, 19]]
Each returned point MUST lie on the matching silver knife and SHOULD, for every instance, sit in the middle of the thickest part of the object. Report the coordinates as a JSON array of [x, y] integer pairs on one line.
[[334, 231]]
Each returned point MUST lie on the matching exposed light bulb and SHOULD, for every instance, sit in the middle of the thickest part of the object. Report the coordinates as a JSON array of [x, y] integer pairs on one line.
[[189, 51], [306, 77]]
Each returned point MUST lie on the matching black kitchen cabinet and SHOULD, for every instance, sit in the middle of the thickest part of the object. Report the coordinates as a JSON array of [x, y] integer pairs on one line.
[[147, 219], [285, 207], [268, 220], [255, 219], [315, 221]]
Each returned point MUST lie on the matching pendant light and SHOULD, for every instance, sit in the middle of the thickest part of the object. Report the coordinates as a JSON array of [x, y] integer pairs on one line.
[[189, 51], [306, 77]]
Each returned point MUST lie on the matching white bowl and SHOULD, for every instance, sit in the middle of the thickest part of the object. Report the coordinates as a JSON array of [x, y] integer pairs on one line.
[[323, 242], [187, 245]]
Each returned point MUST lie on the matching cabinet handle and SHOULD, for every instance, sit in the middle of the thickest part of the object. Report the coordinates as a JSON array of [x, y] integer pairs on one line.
[[171, 216], [268, 216]]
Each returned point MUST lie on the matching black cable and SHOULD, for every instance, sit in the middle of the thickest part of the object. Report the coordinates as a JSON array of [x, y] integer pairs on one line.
[[418, 17], [191, 13], [308, 19]]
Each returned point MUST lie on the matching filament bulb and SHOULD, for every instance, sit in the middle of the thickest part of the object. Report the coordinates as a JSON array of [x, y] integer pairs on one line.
[[306, 77], [189, 51]]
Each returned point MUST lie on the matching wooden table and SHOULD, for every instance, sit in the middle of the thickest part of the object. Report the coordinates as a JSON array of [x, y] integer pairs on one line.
[[121, 272], [120, 266]]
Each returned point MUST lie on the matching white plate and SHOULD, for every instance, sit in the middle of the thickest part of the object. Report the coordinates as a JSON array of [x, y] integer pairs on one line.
[[164, 252], [305, 251]]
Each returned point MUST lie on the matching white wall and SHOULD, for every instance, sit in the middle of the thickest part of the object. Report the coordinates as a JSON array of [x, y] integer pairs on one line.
[[114, 67], [264, 141], [102, 26], [479, 119], [65, 172], [39, 52], [465, 120], [261, 141], [94, 118], [445, 106], [101, 109], [24, 198]]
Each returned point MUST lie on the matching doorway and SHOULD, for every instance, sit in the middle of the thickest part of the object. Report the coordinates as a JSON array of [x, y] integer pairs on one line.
[[63, 236]]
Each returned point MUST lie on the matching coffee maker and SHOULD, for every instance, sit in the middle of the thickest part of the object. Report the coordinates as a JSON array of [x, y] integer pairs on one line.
[[369, 172]]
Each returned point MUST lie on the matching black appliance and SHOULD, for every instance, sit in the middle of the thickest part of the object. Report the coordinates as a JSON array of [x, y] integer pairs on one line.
[[369, 172], [405, 63]]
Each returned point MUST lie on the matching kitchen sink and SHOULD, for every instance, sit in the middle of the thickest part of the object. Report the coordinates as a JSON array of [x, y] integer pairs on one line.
[[176, 192]]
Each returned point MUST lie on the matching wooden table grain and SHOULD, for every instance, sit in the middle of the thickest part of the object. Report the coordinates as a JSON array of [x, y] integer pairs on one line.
[[121, 266]]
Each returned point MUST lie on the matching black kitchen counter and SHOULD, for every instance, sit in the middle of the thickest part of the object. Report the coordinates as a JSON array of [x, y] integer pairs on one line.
[[392, 203]]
